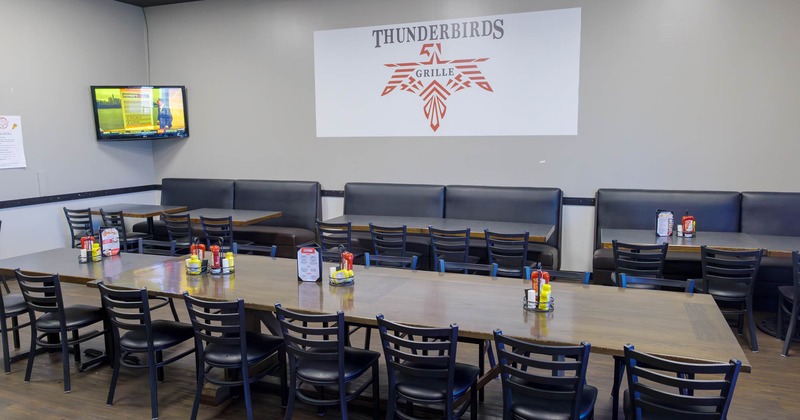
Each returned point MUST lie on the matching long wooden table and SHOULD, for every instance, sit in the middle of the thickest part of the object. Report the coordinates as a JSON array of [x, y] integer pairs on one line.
[[148, 211], [419, 225], [686, 327]]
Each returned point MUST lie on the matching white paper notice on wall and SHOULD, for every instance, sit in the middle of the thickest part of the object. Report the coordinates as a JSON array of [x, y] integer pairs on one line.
[[513, 75], [12, 154]]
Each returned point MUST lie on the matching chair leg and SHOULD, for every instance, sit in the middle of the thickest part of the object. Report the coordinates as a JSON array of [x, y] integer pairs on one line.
[[619, 370], [15, 333], [76, 349], [473, 401], [153, 370], [6, 351], [284, 384], [376, 391], [114, 377], [790, 332], [199, 365], [65, 360], [174, 312], [292, 394], [160, 370], [481, 363], [751, 325], [31, 354], [248, 403], [391, 404], [343, 399]]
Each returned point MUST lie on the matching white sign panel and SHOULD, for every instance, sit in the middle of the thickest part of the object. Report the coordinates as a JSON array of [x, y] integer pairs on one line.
[[512, 75], [12, 154]]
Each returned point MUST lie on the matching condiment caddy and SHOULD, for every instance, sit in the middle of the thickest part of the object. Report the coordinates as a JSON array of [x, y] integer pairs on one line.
[[539, 297]]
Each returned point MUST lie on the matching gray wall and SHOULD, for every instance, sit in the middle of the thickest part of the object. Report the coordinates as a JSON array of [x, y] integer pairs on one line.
[[53, 50], [673, 94]]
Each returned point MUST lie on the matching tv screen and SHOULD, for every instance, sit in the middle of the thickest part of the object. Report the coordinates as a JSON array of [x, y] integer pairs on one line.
[[140, 112]]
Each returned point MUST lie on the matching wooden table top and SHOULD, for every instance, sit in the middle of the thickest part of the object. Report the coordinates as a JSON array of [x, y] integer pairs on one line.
[[419, 225], [140, 210], [240, 217], [64, 261], [777, 246], [676, 325]]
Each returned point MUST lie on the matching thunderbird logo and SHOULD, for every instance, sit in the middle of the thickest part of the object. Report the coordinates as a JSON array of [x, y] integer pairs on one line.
[[422, 78]]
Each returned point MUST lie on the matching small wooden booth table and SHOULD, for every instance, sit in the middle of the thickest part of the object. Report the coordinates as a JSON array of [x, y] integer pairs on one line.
[[679, 326], [731, 241], [64, 261], [419, 225], [240, 217], [148, 211]]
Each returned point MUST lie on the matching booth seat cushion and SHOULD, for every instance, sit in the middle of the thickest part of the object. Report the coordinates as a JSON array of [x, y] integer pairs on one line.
[[299, 201], [196, 193], [507, 204], [771, 213], [717, 211], [412, 200]]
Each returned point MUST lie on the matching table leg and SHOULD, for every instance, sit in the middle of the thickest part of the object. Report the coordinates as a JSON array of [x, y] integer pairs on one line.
[[151, 227]]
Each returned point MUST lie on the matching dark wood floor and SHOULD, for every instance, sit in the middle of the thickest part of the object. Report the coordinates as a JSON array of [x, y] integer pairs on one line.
[[770, 391]]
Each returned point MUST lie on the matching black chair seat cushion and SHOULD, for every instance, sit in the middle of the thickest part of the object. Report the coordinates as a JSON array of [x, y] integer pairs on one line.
[[543, 409], [259, 347], [728, 291], [274, 235], [165, 335], [356, 362], [660, 416], [14, 304], [435, 389], [77, 316]]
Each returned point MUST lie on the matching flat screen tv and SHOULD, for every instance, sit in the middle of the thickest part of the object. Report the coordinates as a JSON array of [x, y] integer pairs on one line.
[[140, 112]]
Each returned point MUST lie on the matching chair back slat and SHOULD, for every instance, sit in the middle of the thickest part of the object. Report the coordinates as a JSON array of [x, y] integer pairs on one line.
[[661, 387], [179, 226], [546, 372], [126, 309], [686, 285], [723, 268]]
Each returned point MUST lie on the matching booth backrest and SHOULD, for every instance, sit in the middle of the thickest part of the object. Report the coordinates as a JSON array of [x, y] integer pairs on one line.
[[196, 193], [507, 204], [412, 200], [300, 201], [717, 211], [771, 213]]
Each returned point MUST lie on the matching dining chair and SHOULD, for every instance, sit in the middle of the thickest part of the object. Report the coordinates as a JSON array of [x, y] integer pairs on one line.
[[115, 219], [638, 260], [510, 252], [789, 305], [134, 332], [318, 357], [451, 245], [422, 369], [664, 389], [79, 222], [730, 277], [334, 236], [390, 241], [566, 275], [179, 231], [544, 382], [625, 281], [12, 306], [43, 295], [223, 344]]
